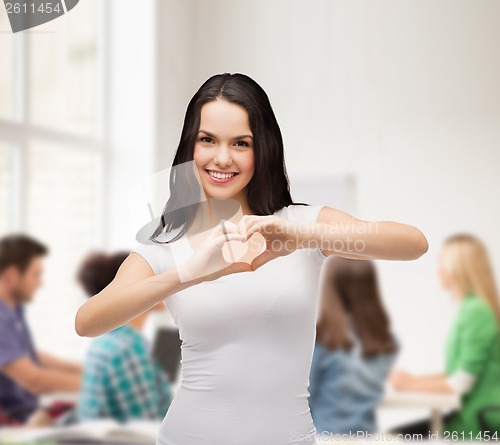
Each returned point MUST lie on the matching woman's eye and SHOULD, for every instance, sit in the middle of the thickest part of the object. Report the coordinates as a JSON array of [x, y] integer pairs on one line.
[[245, 144], [205, 139]]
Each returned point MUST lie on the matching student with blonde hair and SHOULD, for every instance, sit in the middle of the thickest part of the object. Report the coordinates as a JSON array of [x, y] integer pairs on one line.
[[473, 344]]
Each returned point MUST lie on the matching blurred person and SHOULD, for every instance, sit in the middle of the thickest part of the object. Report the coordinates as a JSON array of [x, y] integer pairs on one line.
[[25, 373], [121, 378], [473, 345], [354, 349]]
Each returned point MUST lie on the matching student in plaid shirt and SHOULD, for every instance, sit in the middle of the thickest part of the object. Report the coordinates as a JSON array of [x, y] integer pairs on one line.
[[121, 379]]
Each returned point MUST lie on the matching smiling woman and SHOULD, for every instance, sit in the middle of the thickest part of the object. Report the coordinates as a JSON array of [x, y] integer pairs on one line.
[[247, 338]]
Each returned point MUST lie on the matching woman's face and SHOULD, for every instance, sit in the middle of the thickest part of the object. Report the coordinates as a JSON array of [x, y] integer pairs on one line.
[[224, 144]]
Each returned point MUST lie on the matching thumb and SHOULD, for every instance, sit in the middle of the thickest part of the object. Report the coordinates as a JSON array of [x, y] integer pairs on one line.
[[236, 268], [262, 259]]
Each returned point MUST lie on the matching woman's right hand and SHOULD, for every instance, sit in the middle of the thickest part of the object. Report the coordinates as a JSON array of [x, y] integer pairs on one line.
[[207, 262]]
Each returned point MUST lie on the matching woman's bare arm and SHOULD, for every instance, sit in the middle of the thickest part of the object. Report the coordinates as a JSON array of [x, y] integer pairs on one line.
[[134, 290], [338, 233]]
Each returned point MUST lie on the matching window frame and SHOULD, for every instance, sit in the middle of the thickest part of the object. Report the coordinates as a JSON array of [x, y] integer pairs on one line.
[[18, 132]]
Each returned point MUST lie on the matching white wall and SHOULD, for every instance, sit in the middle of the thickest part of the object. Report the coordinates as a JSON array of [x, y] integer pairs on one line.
[[131, 92], [403, 95]]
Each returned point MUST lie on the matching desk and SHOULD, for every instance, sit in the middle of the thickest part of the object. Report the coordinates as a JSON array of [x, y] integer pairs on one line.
[[437, 403], [134, 432]]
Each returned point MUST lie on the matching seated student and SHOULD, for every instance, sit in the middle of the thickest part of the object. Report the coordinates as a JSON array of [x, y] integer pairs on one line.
[[24, 372], [354, 349], [121, 378], [473, 344], [6, 420]]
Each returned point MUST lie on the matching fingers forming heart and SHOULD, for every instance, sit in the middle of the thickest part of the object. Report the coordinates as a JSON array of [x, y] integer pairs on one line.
[[244, 252]]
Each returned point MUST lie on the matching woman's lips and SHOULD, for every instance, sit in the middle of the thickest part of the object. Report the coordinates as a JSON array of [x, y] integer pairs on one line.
[[220, 181]]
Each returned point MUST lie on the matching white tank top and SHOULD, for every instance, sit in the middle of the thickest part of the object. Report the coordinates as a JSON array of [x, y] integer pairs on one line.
[[247, 345]]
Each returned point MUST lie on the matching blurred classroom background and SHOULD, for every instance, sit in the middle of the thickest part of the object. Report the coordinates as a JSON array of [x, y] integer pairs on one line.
[[400, 98]]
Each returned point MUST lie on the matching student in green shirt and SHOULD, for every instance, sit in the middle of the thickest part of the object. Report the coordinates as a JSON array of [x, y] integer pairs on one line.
[[472, 352]]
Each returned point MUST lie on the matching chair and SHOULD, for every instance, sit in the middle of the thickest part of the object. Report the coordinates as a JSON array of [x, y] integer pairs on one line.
[[484, 417], [6, 420]]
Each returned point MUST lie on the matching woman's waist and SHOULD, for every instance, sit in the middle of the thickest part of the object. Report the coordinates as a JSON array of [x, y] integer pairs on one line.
[[226, 400], [200, 424], [258, 383]]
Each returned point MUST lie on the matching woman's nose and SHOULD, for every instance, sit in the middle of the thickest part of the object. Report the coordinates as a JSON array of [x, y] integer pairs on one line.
[[222, 157]]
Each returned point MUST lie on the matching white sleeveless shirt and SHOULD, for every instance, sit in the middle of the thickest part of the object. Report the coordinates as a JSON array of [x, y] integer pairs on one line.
[[247, 345]]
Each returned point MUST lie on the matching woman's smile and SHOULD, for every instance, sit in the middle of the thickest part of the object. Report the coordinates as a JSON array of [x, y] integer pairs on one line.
[[219, 177]]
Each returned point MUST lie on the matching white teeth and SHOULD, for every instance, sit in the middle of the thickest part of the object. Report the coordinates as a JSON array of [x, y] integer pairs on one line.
[[221, 175]]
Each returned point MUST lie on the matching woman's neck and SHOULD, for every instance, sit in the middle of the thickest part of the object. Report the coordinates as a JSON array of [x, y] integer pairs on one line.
[[216, 209], [458, 294], [242, 199]]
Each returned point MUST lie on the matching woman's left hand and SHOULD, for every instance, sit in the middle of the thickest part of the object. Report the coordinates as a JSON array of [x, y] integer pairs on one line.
[[282, 236]]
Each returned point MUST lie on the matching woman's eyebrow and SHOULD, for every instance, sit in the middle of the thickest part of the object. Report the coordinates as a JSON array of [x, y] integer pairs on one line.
[[236, 137]]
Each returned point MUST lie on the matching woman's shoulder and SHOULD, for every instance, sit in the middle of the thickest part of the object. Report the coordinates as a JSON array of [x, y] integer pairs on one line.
[[301, 213], [156, 248], [158, 255], [475, 304]]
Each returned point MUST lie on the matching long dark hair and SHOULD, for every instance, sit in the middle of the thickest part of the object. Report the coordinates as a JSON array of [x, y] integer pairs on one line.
[[267, 191], [351, 299]]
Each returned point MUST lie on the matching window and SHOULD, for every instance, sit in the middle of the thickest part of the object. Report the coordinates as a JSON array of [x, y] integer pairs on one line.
[[5, 186], [6, 71], [52, 148]]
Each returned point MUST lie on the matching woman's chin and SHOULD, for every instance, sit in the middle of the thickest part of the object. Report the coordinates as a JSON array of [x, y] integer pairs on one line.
[[220, 193], [217, 194]]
